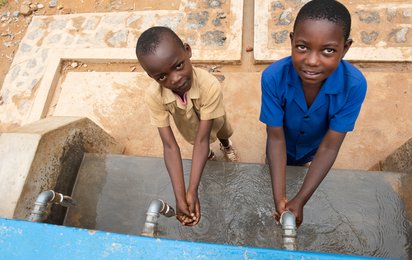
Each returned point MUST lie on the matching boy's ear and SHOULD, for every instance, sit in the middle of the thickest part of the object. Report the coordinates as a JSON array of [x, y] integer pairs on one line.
[[188, 49], [346, 46], [291, 36]]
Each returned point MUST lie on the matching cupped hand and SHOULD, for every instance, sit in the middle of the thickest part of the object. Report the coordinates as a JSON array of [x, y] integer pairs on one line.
[[182, 213], [280, 208], [194, 207], [296, 207]]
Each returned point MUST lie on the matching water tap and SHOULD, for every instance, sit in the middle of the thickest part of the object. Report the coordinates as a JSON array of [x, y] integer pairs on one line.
[[288, 222], [156, 208]]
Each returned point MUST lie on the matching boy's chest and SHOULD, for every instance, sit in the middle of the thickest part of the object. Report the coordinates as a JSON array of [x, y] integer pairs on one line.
[[183, 109]]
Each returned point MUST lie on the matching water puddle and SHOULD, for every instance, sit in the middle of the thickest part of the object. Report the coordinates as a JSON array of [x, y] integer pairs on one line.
[[356, 213]]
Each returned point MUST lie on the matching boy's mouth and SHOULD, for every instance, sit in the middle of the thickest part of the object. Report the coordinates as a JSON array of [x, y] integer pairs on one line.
[[310, 74]]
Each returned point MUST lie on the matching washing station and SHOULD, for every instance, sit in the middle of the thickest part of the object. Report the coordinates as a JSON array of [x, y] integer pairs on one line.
[[356, 213]]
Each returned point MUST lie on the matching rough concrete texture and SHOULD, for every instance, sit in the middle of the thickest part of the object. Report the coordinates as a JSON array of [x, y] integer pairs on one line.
[[34, 158], [206, 25], [380, 29], [399, 161]]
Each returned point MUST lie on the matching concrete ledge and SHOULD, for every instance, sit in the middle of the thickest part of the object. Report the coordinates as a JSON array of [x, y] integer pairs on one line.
[[45, 155]]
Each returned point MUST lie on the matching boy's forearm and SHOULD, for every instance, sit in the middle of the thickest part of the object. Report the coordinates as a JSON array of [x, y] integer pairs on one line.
[[200, 154], [318, 170], [276, 155], [174, 167], [321, 164], [173, 161]]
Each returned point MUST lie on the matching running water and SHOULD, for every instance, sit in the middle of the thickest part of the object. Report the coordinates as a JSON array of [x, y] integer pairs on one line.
[[356, 213]]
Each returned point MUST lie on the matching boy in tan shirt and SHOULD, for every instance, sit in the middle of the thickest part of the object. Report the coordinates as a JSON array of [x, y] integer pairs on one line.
[[193, 98]]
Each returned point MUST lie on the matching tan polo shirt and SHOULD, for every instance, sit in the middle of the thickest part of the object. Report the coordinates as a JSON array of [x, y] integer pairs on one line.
[[204, 102]]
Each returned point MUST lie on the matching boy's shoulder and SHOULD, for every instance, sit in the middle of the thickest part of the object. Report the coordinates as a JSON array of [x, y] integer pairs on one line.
[[204, 81], [279, 65], [351, 72], [202, 76], [279, 71]]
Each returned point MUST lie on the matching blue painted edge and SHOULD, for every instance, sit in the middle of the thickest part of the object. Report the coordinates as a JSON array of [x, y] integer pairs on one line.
[[29, 240]]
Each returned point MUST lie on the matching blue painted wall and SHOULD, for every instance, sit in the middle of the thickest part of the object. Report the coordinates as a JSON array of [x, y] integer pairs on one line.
[[29, 240]]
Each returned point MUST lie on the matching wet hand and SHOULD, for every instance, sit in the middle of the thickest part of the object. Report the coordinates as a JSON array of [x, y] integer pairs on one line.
[[182, 213], [296, 207], [280, 208], [194, 207]]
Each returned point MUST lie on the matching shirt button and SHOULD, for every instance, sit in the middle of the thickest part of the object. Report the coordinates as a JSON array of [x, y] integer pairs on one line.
[[302, 133], [306, 117]]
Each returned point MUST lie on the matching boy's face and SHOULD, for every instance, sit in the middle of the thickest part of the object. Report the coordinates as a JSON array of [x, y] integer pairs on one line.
[[170, 66], [318, 46]]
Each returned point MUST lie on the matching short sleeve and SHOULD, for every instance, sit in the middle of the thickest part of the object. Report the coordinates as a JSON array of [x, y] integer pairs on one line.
[[159, 116], [211, 101], [344, 120], [271, 112]]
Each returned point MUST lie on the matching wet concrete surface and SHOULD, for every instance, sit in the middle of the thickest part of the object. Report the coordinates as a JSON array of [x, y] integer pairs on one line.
[[356, 213]]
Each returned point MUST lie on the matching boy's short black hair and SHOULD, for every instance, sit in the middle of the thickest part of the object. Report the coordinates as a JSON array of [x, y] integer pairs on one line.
[[150, 39], [330, 10]]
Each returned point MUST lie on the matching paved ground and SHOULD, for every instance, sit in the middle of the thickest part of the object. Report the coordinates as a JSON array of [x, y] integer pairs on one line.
[[38, 84]]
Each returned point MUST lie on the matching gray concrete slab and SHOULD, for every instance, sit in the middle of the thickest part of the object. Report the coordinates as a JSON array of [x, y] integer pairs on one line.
[[352, 212]]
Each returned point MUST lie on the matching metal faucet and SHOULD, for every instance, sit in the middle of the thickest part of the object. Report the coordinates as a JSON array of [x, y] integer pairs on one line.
[[156, 208], [288, 222], [39, 214]]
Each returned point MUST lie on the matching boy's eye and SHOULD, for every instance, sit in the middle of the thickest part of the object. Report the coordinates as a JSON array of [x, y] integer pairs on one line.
[[329, 51], [179, 66], [161, 78], [301, 47]]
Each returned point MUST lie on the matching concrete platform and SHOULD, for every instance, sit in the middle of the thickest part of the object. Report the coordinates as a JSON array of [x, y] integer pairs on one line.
[[369, 216]]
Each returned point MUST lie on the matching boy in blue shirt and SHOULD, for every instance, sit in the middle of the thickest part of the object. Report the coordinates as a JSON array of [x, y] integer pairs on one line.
[[310, 100]]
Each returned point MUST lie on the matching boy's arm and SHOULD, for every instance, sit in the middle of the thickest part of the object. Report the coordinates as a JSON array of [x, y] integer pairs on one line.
[[319, 168], [199, 158], [276, 156], [173, 161]]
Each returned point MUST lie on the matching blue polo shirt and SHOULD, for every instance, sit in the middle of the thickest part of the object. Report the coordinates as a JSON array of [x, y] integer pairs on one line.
[[336, 106]]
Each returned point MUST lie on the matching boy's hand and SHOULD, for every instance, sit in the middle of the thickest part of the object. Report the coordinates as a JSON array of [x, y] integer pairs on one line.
[[182, 213], [280, 208], [194, 207], [296, 207]]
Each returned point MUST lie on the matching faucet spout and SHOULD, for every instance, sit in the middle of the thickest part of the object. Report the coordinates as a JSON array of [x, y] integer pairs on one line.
[[288, 222], [39, 214], [156, 208]]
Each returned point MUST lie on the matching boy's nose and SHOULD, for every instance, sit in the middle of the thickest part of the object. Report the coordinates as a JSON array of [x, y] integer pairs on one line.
[[175, 78], [312, 59]]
